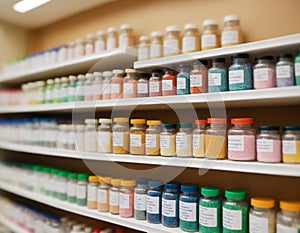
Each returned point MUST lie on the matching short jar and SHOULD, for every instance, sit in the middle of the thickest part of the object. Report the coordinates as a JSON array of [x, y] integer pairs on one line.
[[217, 76], [172, 41], [130, 84], [184, 140], [105, 136], [288, 218], [191, 38], [285, 70], [168, 140], [264, 75], [152, 143], [103, 194], [126, 198], [140, 198], [137, 136], [156, 47], [155, 83], [120, 135], [210, 38], [92, 192], [231, 34], [291, 144]]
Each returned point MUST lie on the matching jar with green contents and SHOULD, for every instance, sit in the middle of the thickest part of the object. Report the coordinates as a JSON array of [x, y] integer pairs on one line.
[[81, 189], [199, 138], [49, 91], [183, 80], [297, 68], [56, 90], [64, 89], [210, 210], [168, 140], [41, 92], [79, 94], [291, 144], [71, 187], [62, 185], [288, 218], [235, 211], [72, 88]]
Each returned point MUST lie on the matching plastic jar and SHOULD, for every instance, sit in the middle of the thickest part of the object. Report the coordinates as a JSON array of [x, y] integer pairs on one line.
[[89, 44], [143, 85], [155, 85], [114, 193], [106, 88], [88, 87], [90, 135], [235, 211], [140, 197], [100, 42], [291, 144], [268, 144], [137, 136], [152, 143], [217, 76], [172, 41], [169, 82], [168, 140], [111, 39], [81, 189], [92, 192], [79, 137], [71, 187], [56, 90], [183, 80], [126, 37], [79, 94], [215, 138], [79, 48], [143, 49], [126, 198], [121, 135], [170, 204], [231, 34], [72, 88], [130, 84], [198, 77], [71, 139], [117, 84], [64, 89], [241, 140], [41, 92], [71, 50], [184, 140], [97, 86], [285, 70], [199, 138], [105, 136], [154, 195], [210, 38], [61, 185], [103, 194], [210, 210], [49, 91], [188, 208], [264, 73], [156, 48], [297, 68], [262, 215], [288, 218], [191, 38]]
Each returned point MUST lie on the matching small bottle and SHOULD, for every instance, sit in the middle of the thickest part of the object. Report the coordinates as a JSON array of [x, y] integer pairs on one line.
[[291, 144], [137, 136], [297, 68], [79, 95], [89, 45], [114, 196], [49, 91], [103, 194], [88, 87], [198, 77], [264, 73], [143, 49], [130, 84], [81, 189], [100, 42], [183, 80], [105, 136], [152, 143], [71, 139], [126, 198], [143, 85], [140, 198], [217, 76], [168, 140], [155, 83], [232, 34], [199, 138], [117, 84], [184, 140], [79, 48], [71, 187], [288, 217], [172, 41], [285, 71], [71, 51], [170, 204], [41, 92], [154, 195], [126, 37], [121, 135], [62, 185], [92, 192], [97, 86], [111, 39], [56, 90], [169, 82], [106, 93], [64, 89], [191, 38], [210, 38], [156, 47], [79, 137], [72, 88], [90, 135]]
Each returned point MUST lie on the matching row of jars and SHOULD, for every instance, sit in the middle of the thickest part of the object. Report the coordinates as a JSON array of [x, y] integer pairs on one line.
[[172, 204]]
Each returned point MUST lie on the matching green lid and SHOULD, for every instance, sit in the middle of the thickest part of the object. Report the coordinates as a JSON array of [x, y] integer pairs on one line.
[[63, 173], [46, 169], [54, 171], [210, 191], [37, 168], [82, 176], [235, 193], [291, 127], [169, 126], [72, 175], [185, 125]]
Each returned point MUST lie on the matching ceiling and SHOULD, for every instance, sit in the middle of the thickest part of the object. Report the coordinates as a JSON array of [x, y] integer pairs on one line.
[[46, 14]]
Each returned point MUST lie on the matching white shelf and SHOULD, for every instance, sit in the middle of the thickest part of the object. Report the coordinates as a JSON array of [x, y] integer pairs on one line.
[[12, 225], [84, 211], [272, 46], [278, 169], [250, 98], [120, 58]]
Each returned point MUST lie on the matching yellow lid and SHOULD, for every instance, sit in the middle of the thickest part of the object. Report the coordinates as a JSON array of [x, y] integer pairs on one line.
[[138, 121], [153, 122], [128, 183], [116, 182], [104, 179], [121, 119], [263, 202], [290, 205], [93, 178]]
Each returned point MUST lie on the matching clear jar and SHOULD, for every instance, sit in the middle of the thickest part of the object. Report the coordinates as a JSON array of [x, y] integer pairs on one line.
[[111, 39], [71, 187], [100, 42], [130, 84], [62, 185], [105, 136], [71, 51], [170, 204], [198, 77], [169, 82], [41, 92], [103, 194], [64, 89], [90, 135], [285, 71], [288, 218], [79, 48], [153, 137], [72, 88], [79, 94], [154, 194], [126, 37], [297, 69], [216, 139], [121, 135], [137, 136], [231, 34], [264, 73], [241, 140], [262, 215], [183, 80], [56, 90], [291, 144], [140, 197], [210, 38], [268, 144], [117, 84], [81, 189], [155, 83], [156, 48], [126, 198], [168, 140], [191, 38], [79, 137], [92, 192], [217, 76], [143, 85], [62, 136], [114, 196], [97, 86], [89, 44], [144, 48], [172, 41], [106, 93], [88, 87], [199, 138], [184, 140]]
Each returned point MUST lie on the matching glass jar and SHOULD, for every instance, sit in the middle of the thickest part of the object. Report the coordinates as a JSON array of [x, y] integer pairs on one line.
[[215, 138], [155, 86], [268, 144], [241, 140], [105, 136], [154, 195], [106, 91], [71, 51], [264, 73], [79, 48], [130, 84], [198, 77], [262, 215], [240, 73], [103, 194], [235, 211], [111, 39], [168, 140], [169, 82], [231, 34], [114, 193], [64, 89], [62, 185], [140, 196], [56, 90], [170, 205], [117, 84], [71, 187], [79, 94], [97, 86], [188, 208], [156, 48], [41, 92], [172, 41], [72, 88], [183, 80], [210, 38], [79, 137], [121, 135], [184, 140], [137, 136], [49, 91], [285, 70], [81, 189], [92, 192], [153, 137], [126, 37], [217, 76], [291, 144], [71, 139], [90, 135], [191, 38], [143, 49], [100, 42], [288, 218], [126, 198], [143, 85], [199, 138], [89, 44], [297, 69], [88, 87]]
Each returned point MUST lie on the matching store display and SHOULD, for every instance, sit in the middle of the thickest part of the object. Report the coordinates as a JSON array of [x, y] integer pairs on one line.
[[210, 38], [285, 70], [191, 38], [231, 34]]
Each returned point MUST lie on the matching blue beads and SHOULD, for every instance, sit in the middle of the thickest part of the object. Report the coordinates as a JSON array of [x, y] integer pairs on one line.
[[217, 76], [154, 195]]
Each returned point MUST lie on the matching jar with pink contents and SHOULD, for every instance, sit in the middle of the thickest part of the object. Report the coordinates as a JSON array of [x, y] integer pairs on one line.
[[264, 73], [126, 198]]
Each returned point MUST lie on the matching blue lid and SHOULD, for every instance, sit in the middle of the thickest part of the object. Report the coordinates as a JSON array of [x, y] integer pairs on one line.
[[142, 181], [154, 183], [189, 188], [290, 127], [174, 186], [265, 127]]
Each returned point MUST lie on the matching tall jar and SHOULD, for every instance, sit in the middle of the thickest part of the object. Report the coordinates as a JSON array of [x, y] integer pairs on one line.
[[72, 88], [117, 84], [288, 218], [153, 137], [90, 138], [285, 70], [79, 48], [140, 198], [297, 68], [155, 83], [172, 41], [56, 90], [97, 86], [198, 77], [291, 144], [169, 82], [143, 49], [100, 42], [121, 135], [217, 76], [111, 39], [130, 84], [62, 185], [81, 189], [232, 34], [137, 136], [264, 73], [143, 85], [154, 195], [199, 138], [89, 45], [64, 89], [168, 140], [79, 95], [183, 80], [156, 48], [114, 196], [241, 140], [170, 205], [79, 137], [191, 38], [103, 194], [126, 198], [71, 187], [126, 37], [106, 86], [210, 38], [88, 87], [49, 91], [105, 136], [184, 140], [92, 192]]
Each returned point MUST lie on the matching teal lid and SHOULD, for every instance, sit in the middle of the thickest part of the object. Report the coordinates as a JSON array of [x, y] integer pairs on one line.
[[169, 126], [264, 127], [82, 176], [185, 125], [235, 193], [72, 175], [210, 191], [290, 127]]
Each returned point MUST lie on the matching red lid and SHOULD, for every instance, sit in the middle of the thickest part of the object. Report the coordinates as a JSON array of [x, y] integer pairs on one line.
[[200, 122], [217, 120], [241, 120], [120, 230], [96, 230]]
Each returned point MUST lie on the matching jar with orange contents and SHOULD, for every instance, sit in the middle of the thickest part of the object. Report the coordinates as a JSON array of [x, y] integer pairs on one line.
[[210, 38], [126, 37], [130, 84], [198, 77], [116, 84], [232, 34], [114, 194], [169, 82]]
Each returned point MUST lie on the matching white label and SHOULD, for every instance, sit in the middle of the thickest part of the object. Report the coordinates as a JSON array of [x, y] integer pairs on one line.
[[115, 88], [283, 71], [124, 201], [64, 92], [62, 187], [208, 40], [143, 53], [114, 198], [236, 76], [196, 80], [150, 140], [236, 143], [153, 205], [188, 211], [79, 90], [153, 87], [49, 94], [165, 141], [214, 79], [89, 49], [99, 46], [142, 88], [111, 43], [264, 145], [189, 43], [196, 141], [40, 96], [106, 88], [81, 191], [104, 138], [181, 142], [123, 41], [170, 46], [261, 74], [128, 88], [140, 201], [258, 224], [118, 138], [97, 89], [92, 193], [285, 229], [297, 69], [71, 91], [181, 83], [289, 147], [232, 219], [208, 216], [135, 140], [102, 196], [155, 50], [230, 37], [167, 85], [169, 208]]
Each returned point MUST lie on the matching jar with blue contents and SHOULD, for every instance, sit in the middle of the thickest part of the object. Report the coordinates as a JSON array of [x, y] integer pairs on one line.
[[154, 195], [217, 76], [183, 80], [170, 205], [240, 73]]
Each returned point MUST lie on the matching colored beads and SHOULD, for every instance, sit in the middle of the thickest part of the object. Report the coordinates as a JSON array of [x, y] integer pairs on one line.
[[154, 195], [170, 205]]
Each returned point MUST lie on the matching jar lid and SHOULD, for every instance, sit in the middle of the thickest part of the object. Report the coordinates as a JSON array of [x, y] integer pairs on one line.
[[289, 127], [104, 179], [154, 183], [169, 126], [241, 55], [91, 121], [242, 121], [72, 175], [47, 170], [143, 38], [270, 58], [216, 120], [200, 61], [125, 26], [235, 193], [262, 202], [107, 73], [121, 119], [185, 125], [189, 188], [100, 33], [157, 71], [63, 173], [142, 181], [82, 176], [130, 71], [285, 55], [115, 182], [156, 33], [105, 121], [57, 80], [174, 186], [210, 22], [93, 178], [265, 127], [138, 121], [200, 122], [72, 77], [153, 122], [80, 76], [210, 191], [228, 18], [117, 71], [290, 205], [89, 76], [220, 60], [172, 28], [111, 29], [64, 79], [191, 26], [97, 74], [128, 183]]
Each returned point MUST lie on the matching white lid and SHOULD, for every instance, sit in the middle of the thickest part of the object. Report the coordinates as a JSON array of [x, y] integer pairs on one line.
[[191, 26], [88, 230], [210, 22], [63, 127], [97, 74], [79, 40], [117, 71], [143, 38], [24, 87], [80, 76], [130, 71], [107, 73], [172, 28], [71, 43], [79, 127], [105, 121], [64, 79], [90, 36], [77, 227], [100, 33], [57, 80], [50, 81], [91, 121], [40, 83], [231, 18], [125, 26], [156, 33], [89, 76], [72, 77], [111, 29]]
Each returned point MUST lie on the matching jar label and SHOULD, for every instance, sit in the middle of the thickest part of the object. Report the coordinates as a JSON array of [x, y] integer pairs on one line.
[[88, 90], [208, 40], [71, 139], [196, 80], [49, 95], [165, 141], [140, 201], [261, 74], [188, 211], [285, 229], [189, 43], [64, 92], [289, 147], [181, 142], [214, 79], [92, 193], [102, 196], [230, 37], [155, 50], [258, 224], [90, 141], [80, 191], [283, 71], [118, 138], [153, 205], [236, 76], [153, 87], [97, 89], [56, 93], [297, 69], [99, 46], [181, 83], [71, 91], [232, 219], [111, 43], [115, 88], [104, 138], [169, 208], [264, 145], [143, 53], [123, 41], [62, 187], [208, 216], [106, 88], [151, 140], [142, 88], [89, 49], [196, 141], [128, 88], [135, 139], [114, 198], [124, 201], [236, 143], [167, 85], [171, 47]]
